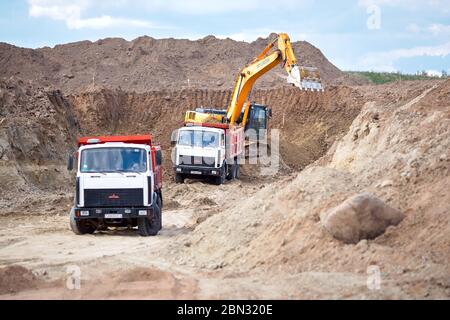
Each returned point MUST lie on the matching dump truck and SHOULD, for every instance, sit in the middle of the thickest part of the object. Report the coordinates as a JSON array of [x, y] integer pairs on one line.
[[118, 184], [208, 150], [241, 120]]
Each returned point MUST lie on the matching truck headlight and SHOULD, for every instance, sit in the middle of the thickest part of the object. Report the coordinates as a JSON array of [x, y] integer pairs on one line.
[[128, 211], [84, 213], [142, 212], [178, 169], [214, 172]]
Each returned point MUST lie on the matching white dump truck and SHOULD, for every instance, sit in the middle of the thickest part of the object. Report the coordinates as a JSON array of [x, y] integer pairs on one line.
[[118, 183], [207, 150]]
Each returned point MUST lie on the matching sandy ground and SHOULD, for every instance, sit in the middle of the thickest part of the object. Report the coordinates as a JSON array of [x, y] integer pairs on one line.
[[121, 264], [116, 263], [46, 246]]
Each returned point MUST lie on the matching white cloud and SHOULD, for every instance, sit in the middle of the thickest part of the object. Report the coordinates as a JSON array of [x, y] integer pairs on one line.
[[108, 22], [384, 61], [57, 10], [202, 7], [444, 4], [434, 73], [439, 29], [71, 13], [435, 29]]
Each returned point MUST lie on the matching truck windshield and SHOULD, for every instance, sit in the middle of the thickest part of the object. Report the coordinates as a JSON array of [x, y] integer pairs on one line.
[[198, 138], [113, 160]]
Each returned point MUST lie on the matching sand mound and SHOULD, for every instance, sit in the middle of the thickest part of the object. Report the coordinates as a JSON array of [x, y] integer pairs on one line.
[[16, 278], [149, 64]]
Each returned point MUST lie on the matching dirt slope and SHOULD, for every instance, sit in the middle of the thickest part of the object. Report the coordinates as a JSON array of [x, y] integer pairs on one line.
[[148, 64], [37, 130]]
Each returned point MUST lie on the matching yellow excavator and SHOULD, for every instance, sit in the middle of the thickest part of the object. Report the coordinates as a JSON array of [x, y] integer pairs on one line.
[[241, 112]]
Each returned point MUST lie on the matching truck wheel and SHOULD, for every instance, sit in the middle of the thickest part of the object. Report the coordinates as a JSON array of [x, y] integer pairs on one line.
[[223, 176], [151, 227], [160, 199], [81, 226], [160, 205], [179, 178], [230, 173], [233, 171], [237, 173]]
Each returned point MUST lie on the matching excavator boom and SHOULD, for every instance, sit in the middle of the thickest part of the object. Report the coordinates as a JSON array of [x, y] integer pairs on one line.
[[304, 78]]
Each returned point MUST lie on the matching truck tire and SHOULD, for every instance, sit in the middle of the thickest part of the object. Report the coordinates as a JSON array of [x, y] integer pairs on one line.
[[160, 199], [80, 227], [232, 174], [237, 174], [160, 205], [179, 178], [223, 176], [151, 227]]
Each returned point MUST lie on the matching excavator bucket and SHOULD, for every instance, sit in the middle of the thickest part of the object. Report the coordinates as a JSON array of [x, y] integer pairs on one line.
[[305, 78]]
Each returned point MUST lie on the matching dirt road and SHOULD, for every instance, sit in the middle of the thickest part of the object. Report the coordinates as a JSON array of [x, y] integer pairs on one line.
[[112, 263], [47, 246]]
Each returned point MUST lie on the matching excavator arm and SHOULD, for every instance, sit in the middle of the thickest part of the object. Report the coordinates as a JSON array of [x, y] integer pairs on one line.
[[302, 77], [244, 84]]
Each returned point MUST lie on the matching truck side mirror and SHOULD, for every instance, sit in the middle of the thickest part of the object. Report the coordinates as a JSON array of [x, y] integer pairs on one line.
[[70, 163], [269, 112], [158, 157], [174, 138]]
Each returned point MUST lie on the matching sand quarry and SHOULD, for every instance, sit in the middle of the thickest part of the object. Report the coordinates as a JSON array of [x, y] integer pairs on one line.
[[262, 236]]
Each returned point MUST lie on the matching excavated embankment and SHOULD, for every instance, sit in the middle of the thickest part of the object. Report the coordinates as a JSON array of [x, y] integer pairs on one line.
[[39, 127]]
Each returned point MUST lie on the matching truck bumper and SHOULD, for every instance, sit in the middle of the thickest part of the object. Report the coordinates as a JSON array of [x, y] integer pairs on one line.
[[112, 213], [197, 171]]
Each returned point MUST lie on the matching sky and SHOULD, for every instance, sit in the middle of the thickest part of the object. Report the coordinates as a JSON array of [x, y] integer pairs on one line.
[[372, 35]]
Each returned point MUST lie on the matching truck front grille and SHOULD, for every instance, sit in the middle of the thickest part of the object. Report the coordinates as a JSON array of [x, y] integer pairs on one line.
[[197, 161], [113, 197]]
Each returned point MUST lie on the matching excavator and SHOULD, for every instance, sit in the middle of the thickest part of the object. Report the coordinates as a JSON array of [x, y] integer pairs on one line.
[[241, 111], [212, 140]]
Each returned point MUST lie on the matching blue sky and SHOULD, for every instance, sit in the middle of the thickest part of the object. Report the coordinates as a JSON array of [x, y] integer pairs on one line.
[[381, 35]]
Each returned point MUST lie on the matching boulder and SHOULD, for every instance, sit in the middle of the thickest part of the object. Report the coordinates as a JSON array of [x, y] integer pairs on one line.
[[362, 216]]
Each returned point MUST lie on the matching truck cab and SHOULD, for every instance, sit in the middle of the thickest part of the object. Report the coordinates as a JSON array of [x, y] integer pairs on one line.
[[206, 150], [118, 183]]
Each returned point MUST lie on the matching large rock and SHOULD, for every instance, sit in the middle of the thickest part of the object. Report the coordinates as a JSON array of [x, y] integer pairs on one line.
[[363, 216]]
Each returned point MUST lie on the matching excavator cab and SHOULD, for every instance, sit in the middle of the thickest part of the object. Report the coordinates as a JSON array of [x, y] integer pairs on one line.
[[257, 119]]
